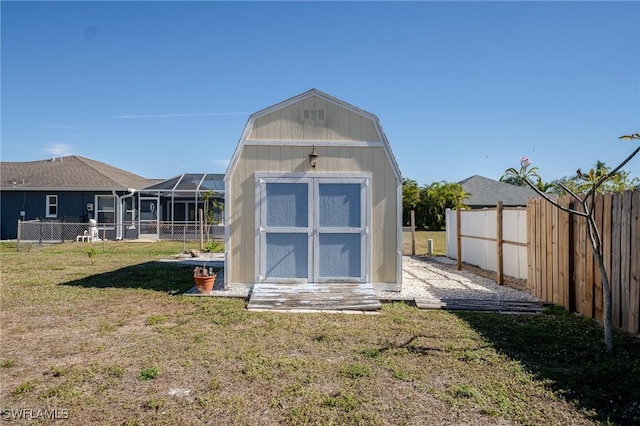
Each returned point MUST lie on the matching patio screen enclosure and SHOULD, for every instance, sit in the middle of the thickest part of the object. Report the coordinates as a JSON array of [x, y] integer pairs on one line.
[[169, 209]]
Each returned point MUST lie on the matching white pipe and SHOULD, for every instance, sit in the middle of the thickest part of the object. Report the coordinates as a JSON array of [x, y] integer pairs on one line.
[[120, 211]]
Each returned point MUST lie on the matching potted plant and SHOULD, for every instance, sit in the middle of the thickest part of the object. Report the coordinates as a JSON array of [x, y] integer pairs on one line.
[[204, 279]]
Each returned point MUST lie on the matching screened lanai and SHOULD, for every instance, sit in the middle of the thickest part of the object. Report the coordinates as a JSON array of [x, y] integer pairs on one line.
[[169, 209]]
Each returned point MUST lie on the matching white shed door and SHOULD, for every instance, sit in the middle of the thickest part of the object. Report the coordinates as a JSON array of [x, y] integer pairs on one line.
[[313, 230]]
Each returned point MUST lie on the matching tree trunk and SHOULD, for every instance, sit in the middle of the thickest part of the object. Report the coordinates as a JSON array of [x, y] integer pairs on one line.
[[606, 292], [596, 247]]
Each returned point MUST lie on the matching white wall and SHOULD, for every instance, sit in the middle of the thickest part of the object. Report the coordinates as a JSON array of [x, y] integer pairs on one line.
[[483, 253]]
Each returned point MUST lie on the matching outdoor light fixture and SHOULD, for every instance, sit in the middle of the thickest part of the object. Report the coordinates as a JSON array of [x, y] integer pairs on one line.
[[313, 157]]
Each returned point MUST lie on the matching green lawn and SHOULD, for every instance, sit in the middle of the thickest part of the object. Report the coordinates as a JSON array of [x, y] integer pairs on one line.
[[439, 242], [110, 340]]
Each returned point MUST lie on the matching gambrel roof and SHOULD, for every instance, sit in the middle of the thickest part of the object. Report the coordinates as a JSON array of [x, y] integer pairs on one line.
[[485, 192], [378, 138], [71, 173]]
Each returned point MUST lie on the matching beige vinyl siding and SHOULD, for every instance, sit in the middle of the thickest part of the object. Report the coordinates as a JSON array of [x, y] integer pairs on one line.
[[340, 124], [336, 159]]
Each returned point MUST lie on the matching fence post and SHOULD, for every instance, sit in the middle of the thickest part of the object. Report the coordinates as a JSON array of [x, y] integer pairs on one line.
[[413, 232], [200, 217], [499, 257], [18, 236], [459, 238]]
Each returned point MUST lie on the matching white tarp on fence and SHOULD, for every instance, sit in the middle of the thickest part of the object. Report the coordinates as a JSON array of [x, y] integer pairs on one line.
[[481, 252]]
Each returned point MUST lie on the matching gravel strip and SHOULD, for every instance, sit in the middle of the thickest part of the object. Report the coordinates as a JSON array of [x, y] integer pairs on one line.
[[437, 278], [434, 278]]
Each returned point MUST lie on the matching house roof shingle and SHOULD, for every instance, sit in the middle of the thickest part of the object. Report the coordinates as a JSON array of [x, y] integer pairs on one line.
[[68, 173], [485, 192]]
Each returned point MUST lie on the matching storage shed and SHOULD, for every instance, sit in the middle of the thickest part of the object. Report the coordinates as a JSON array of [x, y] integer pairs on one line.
[[313, 194]]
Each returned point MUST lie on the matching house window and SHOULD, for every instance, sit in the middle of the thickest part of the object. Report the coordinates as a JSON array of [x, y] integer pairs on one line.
[[106, 209], [313, 115], [52, 206]]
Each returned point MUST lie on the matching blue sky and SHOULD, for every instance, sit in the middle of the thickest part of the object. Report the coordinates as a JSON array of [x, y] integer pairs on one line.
[[461, 88]]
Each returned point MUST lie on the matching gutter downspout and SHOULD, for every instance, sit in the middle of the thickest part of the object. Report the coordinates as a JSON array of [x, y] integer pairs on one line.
[[120, 211]]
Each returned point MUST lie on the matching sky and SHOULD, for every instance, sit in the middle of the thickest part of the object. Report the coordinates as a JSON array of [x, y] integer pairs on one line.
[[460, 88]]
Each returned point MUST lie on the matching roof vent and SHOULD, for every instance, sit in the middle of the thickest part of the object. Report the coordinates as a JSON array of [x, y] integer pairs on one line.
[[313, 115]]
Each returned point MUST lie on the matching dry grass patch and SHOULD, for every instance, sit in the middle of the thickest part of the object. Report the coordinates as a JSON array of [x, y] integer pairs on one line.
[[115, 343], [439, 242]]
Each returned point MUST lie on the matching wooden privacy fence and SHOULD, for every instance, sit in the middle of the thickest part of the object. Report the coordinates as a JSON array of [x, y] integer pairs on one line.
[[562, 269]]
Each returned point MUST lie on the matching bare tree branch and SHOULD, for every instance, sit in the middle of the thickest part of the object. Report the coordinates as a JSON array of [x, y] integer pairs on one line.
[[570, 192], [614, 171], [554, 202], [587, 203]]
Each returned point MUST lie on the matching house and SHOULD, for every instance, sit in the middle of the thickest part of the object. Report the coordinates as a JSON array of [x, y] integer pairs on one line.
[[67, 189], [75, 189], [313, 194], [484, 192]]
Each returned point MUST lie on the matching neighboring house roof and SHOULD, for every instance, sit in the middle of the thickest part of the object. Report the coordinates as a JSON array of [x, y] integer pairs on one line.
[[68, 173], [485, 192]]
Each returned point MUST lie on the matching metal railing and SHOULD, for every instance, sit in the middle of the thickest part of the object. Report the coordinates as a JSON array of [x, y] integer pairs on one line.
[[51, 231]]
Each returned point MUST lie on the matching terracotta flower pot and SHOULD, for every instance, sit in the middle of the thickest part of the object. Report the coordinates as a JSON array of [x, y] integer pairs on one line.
[[204, 284]]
